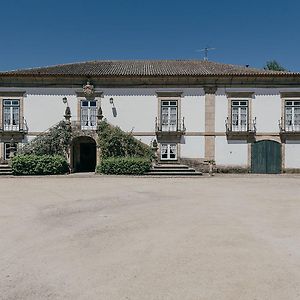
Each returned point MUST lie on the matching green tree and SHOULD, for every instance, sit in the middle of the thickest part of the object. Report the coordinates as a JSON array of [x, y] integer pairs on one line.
[[273, 65]]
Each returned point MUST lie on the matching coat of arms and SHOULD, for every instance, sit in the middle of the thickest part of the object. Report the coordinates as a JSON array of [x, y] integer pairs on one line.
[[88, 89]]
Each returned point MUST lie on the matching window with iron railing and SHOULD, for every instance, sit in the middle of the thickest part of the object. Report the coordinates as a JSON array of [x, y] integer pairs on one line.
[[11, 115], [88, 115], [239, 115], [169, 117], [292, 115]]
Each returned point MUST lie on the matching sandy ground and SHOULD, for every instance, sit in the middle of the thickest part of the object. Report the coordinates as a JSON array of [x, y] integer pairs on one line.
[[228, 237]]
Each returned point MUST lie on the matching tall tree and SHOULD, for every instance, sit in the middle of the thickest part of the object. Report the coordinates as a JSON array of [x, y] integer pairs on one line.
[[274, 66]]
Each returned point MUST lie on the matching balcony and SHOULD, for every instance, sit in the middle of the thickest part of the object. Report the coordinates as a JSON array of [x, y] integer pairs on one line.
[[289, 130], [14, 129], [177, 130], [78, 125], [238, 132]]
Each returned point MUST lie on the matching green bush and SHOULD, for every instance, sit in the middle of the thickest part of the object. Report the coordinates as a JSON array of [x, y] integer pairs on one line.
[[124, 165], [31, 164], [116, 143], [56, 141]]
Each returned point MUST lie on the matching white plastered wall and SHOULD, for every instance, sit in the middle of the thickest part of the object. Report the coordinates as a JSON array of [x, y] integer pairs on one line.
[[193, 109], [292, 154], [231, 153], [192, 147], [132, 109], [266, 107], [44, 108]]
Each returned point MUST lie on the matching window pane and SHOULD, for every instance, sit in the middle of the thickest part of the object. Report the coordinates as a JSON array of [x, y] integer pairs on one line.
[[165, 103], [173, 103], [84, 103], [93, 116], [92, 103], [173, 151], [15, 116], [6, 102]]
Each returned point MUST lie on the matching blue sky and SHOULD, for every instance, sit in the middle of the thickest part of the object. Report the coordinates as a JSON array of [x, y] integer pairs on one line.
[[38, 33]]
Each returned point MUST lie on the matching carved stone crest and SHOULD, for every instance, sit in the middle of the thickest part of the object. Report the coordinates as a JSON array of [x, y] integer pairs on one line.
[[88, 89]]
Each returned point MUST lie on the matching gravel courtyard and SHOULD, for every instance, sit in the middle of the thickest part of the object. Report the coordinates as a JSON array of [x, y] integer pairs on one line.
[[227, 237]]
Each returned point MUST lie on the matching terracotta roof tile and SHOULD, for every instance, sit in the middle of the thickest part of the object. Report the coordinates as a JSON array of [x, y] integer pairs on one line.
[[104, 68]]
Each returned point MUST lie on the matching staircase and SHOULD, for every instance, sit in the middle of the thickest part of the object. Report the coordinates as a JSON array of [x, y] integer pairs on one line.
[[173, 170], [5, 169]]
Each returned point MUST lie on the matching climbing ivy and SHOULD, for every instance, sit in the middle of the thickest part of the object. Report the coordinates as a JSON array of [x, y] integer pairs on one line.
[[116, 143], [56, 141]]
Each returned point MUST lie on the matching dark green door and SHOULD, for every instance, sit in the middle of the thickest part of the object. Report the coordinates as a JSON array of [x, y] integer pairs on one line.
[[266, 157]]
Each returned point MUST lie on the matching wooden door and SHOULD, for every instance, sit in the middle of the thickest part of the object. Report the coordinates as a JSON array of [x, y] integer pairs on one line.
[[266, 157]]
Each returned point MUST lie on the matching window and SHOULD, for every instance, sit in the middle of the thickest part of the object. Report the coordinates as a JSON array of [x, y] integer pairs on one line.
[[169, 115], [7, 150], [88, 114], [11, 115], [292, 115], [239, 115], [168, 152]]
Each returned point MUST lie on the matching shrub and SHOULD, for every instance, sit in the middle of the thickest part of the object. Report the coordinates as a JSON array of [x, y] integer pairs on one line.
[[54, 142], [116, 143], [31, 164], [124, 165]]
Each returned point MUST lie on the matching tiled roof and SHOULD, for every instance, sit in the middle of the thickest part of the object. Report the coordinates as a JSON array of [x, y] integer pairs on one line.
[[104, 68]]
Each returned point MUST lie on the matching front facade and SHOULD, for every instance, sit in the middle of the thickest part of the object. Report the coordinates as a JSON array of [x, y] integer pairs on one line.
[[196, 111]]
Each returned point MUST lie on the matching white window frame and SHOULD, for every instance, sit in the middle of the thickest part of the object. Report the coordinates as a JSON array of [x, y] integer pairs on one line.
[[169, 147], [6, 152], [292, 119], [11, 114], [88, 115], [169, 115], [239, 114]]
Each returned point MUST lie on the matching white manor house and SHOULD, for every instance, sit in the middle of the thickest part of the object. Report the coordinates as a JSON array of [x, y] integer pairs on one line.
[[196, 110]]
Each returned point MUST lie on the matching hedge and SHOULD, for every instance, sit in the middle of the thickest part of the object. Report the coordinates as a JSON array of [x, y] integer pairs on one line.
[[31, 164], [124, 166], [116, 143]]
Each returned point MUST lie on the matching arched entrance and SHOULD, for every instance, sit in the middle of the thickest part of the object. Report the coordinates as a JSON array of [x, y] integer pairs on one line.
[[83, 154], [266, 157]]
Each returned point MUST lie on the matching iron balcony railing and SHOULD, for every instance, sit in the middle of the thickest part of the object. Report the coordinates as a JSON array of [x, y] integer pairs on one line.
[[21, 127], [250, 127], [83, 125], [177, 127], [288, 127]]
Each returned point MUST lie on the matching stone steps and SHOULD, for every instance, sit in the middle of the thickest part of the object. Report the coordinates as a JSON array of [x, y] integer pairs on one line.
[[5, 169], [173, 170]]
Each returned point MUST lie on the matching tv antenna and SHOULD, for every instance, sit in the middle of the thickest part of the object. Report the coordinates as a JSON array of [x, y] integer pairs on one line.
[[206, 50]]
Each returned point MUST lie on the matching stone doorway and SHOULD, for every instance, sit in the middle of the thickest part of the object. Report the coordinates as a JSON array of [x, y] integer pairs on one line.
[[83, 154]]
